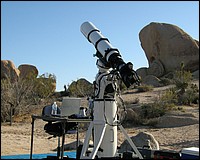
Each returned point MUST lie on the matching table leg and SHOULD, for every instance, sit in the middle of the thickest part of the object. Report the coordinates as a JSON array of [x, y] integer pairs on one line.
[[58, 149], [32, 131], [63, 140], [77, 141]]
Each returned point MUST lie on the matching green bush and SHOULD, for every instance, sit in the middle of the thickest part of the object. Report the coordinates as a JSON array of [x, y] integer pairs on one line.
[[190, 96], [182, 78], [152, 110], [169, 96], [187, 92]]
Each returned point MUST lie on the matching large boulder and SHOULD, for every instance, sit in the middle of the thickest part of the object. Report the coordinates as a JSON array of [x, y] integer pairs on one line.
[[166, 46], [80, 88], [27, 70], [8, 70]]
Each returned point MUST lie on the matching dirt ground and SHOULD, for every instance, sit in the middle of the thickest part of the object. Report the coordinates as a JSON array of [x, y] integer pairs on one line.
[[16, 139]]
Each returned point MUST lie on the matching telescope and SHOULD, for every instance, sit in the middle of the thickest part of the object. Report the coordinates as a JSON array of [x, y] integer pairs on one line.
[[112, 69], [109, 55]]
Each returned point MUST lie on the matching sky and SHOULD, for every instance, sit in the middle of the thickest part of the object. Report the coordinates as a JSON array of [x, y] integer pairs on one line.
[[47, 34]]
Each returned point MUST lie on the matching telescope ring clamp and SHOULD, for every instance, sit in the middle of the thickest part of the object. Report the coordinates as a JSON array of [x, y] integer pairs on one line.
[[107, 51]]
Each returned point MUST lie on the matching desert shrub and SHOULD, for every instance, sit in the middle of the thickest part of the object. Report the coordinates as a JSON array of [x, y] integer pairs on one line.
[[187, 92], [152, 110], [169, 97], [144, 88], [146, 115], [190, 96], [182, 78], [184, 91], [165, 81]]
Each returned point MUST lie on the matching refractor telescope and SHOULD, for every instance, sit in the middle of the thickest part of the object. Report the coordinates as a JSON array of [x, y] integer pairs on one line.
[[112, 69], [109, 55]]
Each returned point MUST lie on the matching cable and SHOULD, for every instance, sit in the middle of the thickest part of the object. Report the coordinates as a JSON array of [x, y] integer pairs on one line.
[[113, 118]]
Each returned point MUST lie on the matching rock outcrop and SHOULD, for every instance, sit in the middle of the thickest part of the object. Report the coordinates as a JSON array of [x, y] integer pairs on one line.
[[166, 46], [177, 119], [27, 70], [8, 70]]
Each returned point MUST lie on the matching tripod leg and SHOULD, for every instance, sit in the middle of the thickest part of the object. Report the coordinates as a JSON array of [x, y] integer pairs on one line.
[[94, 152], [130, 142], [86, 141]]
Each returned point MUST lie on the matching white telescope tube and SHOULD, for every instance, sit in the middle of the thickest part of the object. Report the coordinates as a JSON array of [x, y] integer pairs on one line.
[[98, 40]]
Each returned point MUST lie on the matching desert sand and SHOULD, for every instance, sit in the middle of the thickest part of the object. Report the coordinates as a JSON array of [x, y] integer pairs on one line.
[[16, 139]]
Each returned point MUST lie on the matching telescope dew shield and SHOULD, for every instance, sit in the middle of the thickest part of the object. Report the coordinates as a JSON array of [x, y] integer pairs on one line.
[[101, 43]]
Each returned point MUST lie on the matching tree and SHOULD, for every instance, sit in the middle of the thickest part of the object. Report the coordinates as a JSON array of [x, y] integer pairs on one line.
[[46, 84], [18, 95]]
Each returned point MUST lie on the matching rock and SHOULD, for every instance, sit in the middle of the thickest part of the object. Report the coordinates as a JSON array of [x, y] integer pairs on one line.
[[142, 72], [140, 140], [166, 46], [156, 68], [197, 42], [9, 70], [167, 121], [27, 70], [151, 80], [195, 74]]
